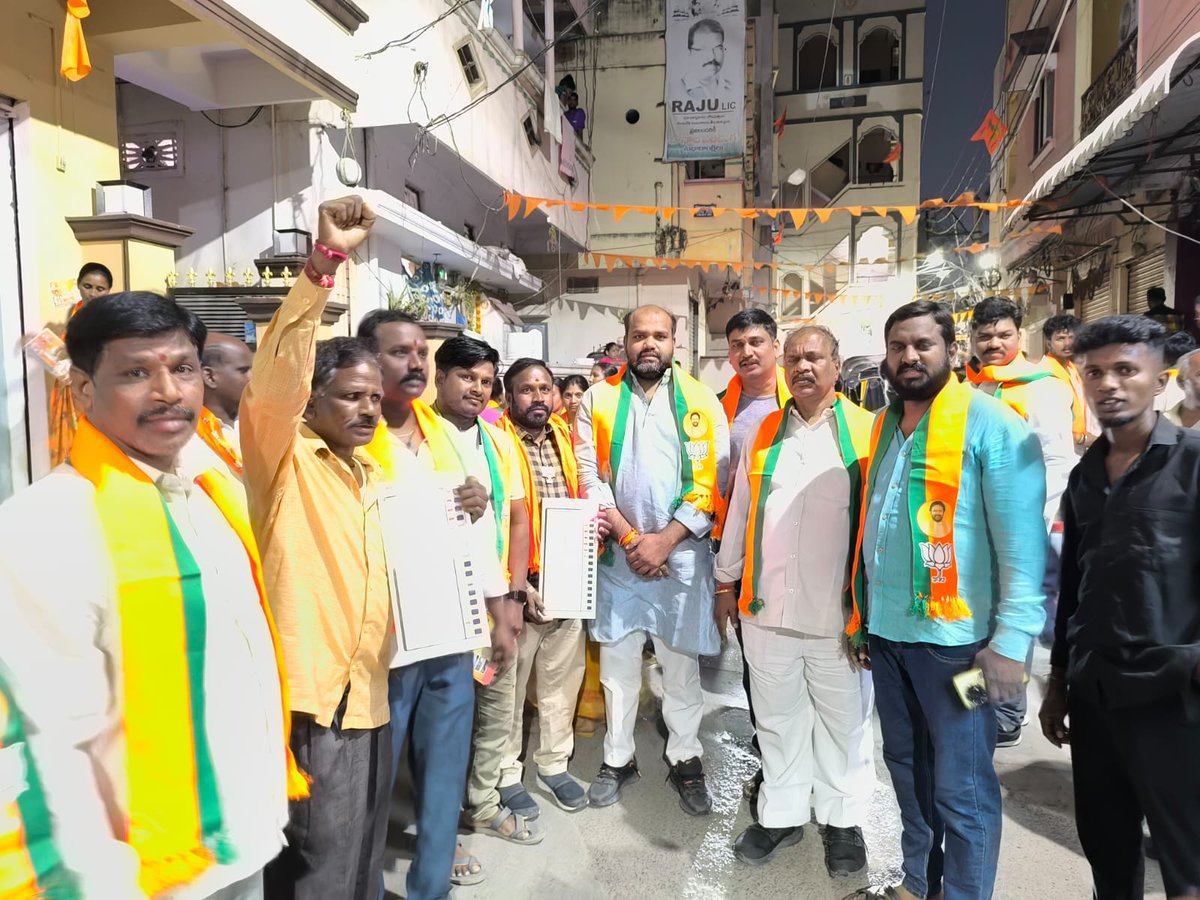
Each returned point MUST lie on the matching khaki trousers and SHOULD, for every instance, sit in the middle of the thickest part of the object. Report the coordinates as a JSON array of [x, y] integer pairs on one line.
[[493, 719], [554, 651]]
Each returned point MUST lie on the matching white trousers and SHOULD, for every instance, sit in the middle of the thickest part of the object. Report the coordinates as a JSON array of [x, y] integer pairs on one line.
[[682, 702], [813, 714]]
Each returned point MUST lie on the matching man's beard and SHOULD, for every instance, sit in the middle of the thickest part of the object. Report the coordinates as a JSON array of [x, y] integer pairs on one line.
[[524, 418], [925, 389], [650, 368]]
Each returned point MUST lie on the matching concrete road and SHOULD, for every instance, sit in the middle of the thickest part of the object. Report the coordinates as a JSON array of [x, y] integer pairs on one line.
[[646, 847]]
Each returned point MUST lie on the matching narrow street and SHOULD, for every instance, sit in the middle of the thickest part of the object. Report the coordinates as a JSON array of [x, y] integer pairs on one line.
[[645, 846]]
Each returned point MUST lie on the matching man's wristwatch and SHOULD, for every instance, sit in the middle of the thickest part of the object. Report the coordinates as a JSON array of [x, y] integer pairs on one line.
[[521, 597]]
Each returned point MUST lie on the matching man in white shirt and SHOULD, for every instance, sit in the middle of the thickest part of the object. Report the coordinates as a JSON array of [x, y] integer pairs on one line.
[[68, 643], [466, 369], [787, 540], [1045, 402], [1187, 411]]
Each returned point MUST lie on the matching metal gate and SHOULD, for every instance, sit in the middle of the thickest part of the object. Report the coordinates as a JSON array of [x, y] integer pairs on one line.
[[1100, 304], [1144, 273]]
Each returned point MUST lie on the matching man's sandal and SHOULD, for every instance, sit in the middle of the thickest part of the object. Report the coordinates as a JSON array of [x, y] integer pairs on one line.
[[471, 867], [523, 831]]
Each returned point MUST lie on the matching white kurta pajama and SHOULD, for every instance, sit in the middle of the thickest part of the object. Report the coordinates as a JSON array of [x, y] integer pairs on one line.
[[676, 610], [813, 710]]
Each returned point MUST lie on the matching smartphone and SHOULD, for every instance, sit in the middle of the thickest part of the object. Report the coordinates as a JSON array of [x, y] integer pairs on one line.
[[971, 687]]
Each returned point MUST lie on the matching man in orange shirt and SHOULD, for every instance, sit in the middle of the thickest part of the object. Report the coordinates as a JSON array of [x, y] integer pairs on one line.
[[305, 416]]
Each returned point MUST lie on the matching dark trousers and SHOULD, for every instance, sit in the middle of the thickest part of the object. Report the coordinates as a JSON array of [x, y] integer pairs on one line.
[[1130, 764], [939, 755], [336, 836], [737, 630], [433, 702]]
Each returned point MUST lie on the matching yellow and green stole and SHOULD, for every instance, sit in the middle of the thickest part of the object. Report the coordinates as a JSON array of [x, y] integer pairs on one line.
[[498, 474], [853, 435], [433, 430], [698, 452], [935, 472], [176, 824], [212, 432], [561, 435], [729, 399], [31, 865], [733, 393], [1011, 380]]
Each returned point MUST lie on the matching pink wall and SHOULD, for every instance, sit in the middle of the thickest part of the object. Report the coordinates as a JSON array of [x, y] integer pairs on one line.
[[1162, 30]]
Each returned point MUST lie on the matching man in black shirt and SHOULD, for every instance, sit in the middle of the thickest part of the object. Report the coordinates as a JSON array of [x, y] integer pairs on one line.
[[1126, 661]]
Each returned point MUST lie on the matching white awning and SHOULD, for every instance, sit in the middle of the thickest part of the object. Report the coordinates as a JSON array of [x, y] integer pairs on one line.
[[1141, 137], [419, 237]]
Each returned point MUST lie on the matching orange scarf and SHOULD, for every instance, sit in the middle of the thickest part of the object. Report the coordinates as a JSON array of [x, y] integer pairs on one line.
[[1012, 381], [1069, 375], [561, 436], [433, 430], [732, 395], [212, 432]]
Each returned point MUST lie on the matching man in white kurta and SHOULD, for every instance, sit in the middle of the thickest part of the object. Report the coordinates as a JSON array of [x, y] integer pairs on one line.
[[813, 708], [61, 641]]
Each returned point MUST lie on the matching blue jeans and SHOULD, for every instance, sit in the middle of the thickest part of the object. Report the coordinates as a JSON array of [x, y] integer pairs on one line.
[[434, 698], [940, 757]]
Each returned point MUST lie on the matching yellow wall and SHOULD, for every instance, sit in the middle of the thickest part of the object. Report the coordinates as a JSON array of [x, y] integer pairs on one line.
[[72, 126]]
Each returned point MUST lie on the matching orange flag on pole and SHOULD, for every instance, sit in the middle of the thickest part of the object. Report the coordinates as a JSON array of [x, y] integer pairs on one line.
[[991, 132], [75, 60]]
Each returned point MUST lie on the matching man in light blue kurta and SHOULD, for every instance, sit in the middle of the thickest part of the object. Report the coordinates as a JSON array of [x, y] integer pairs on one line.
[[672, 603], [938, 751]]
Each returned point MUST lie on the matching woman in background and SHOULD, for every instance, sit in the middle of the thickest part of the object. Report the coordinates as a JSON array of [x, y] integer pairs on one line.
[[572, 389], [604, 368], [94, 280]]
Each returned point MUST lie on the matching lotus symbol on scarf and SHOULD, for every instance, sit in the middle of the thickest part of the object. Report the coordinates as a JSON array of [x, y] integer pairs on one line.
[[937, 558]]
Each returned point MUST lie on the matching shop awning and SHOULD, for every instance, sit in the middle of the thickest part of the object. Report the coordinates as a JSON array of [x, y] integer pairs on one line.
[[1145, 143], [419, 237]]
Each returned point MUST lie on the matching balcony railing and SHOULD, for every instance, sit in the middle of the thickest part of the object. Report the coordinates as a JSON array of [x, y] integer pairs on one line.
[[1114, 85]]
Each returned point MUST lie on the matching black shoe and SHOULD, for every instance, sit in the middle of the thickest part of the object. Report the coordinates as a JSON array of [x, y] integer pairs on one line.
[[757, 844], [687, 777], [845, 850], [606, 789], [1008, 737]]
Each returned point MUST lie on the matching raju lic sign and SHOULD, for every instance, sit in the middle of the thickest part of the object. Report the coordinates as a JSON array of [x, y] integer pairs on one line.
[[706, 82]]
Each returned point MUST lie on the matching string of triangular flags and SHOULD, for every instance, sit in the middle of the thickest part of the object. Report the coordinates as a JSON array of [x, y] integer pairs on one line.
[[908, 213], [609, 261], [1024, 292]]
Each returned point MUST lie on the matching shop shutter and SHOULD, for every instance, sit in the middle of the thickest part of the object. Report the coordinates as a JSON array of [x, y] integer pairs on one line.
[[1100, 303], [1144, 273]]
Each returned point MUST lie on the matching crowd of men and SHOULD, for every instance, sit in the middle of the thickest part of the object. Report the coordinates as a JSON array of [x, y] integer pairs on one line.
[[198, 695]]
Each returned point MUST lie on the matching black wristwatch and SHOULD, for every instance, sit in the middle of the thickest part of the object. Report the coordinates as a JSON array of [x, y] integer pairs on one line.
[[518, 597]]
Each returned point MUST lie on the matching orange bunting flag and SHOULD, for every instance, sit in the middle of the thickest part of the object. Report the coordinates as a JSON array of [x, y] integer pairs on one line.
[[824, 213], [75, 60], [798, 216], [991, 132], [748, 213], [619, 212], [532, 203], [514, 205], [907, 213], [879, 210]]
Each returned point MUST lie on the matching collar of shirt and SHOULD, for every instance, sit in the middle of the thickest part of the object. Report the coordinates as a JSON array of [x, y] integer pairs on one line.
[[1165, 433], [641, 392], [795, 416], [532, 437], [168, 483], [317, 444]]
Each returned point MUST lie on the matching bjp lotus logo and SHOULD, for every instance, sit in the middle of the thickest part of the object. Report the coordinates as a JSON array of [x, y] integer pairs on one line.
[[937, 558]]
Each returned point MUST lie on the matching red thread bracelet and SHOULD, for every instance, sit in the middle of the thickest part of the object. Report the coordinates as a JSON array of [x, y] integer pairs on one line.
[[321, 281], [335, 255]]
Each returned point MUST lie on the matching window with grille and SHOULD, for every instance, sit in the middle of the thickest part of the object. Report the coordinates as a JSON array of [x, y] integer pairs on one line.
[[159, 151], [585, 285], [704, 168], [468, 61]]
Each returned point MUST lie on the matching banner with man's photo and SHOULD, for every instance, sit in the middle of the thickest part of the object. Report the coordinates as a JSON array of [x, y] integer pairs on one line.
[[706, 79]]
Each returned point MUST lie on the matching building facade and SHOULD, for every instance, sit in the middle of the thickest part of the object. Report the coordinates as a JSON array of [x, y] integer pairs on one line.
[[1099, 100]]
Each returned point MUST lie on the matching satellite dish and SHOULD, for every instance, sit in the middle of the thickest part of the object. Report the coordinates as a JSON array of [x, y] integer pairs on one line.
[[349, 172], [797, 177]]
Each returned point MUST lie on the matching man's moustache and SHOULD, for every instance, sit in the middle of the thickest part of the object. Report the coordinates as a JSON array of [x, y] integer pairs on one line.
[[415, 376], [167, 412], [539, 405]]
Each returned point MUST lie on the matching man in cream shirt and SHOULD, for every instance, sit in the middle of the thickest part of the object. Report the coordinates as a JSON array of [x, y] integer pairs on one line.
[[137, 374], [813, 707]]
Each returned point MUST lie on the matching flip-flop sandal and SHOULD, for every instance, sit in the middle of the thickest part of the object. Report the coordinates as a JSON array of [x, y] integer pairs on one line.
[[522, 833], [465, 860]]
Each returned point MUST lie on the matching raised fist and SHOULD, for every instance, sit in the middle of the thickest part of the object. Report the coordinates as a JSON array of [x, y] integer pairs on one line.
[[344, 223]]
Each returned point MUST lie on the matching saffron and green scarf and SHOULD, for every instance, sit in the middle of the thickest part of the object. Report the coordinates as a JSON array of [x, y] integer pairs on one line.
[[176, 824], [853, 435], [936, 461], [31, 865], [690, 402], [1011, 380]]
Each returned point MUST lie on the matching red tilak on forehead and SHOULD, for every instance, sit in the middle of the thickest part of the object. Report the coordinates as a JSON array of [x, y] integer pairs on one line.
[[162, 357]]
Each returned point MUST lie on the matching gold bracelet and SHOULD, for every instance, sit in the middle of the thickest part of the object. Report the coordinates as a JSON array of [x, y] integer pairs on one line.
[[725, 590]]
